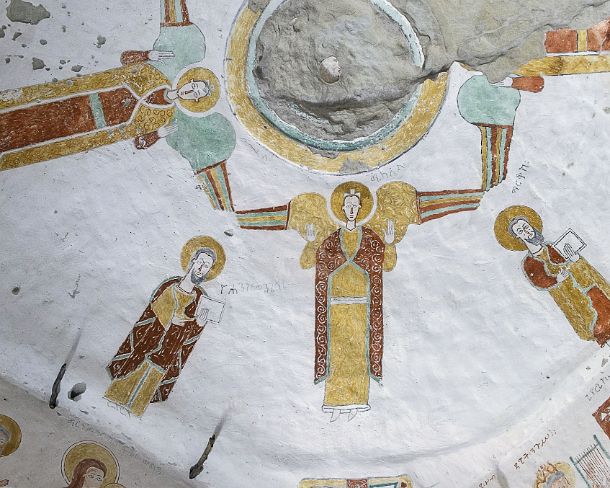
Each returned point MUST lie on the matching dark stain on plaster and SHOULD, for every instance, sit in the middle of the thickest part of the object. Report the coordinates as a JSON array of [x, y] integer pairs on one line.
[[26, 12]]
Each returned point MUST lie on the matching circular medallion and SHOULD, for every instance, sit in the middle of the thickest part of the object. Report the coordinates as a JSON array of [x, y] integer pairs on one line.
[[505, 236], [202, 242], [87, 454], [10, 436], [332, 86]]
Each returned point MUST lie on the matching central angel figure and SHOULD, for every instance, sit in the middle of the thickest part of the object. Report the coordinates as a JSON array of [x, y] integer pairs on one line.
[[350, 261], [350, 250]]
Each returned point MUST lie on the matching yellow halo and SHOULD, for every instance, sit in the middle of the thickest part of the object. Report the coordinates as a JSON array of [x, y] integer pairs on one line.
[[114, 485], [199, 242], [545, 471], [504, 235], [366, 199], [90, 450], [203, 104], [14, 432]]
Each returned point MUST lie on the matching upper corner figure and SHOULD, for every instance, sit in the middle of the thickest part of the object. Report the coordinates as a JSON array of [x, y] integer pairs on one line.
[[578, 289], [155, 94]]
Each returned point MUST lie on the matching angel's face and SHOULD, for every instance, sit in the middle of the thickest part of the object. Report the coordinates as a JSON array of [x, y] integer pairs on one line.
[[351, 207]]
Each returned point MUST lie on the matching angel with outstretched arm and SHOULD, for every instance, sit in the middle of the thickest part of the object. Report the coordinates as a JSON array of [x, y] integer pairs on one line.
[[350, 250]]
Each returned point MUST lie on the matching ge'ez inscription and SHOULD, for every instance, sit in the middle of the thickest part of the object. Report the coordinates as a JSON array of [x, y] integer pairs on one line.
[[483, 484], [521, 176], [597, 387], [384, 175], [235, 288], [534, 449]]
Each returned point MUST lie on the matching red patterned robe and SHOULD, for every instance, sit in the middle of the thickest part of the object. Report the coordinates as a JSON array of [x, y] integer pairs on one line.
[[369, 258], [584, 297], [169, 349]]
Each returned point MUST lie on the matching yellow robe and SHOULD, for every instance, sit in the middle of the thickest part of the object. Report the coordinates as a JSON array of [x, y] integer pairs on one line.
[[347, 385]]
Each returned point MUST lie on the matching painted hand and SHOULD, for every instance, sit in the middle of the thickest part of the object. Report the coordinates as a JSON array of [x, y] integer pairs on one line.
[[160, 55], [569, 251], [167, 130], [389, 234], [563, 275], [311, 233]]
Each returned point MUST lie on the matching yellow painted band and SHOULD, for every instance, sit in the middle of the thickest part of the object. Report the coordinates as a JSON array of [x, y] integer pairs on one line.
[[581, 40], [404, 138], [566, 65]]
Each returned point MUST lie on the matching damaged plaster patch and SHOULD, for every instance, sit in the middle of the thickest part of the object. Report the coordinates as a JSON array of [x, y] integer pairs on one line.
[[101, 40], [2, 33], [8, 95], [37, 63], [494, 36], [26, 12], [351, 167], [258, 5], [321, 69], [77, 68]]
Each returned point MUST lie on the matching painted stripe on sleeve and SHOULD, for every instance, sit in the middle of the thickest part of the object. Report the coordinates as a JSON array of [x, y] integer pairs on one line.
[[178, 11], [98, 112], [465, 206]]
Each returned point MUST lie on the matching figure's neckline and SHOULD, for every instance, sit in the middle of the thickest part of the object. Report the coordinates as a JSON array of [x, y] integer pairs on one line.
[[349, 255], [183, 291]]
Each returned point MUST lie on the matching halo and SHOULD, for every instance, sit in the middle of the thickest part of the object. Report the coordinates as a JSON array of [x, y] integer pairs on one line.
[[14, 432], [546, 470], [196, 243], [503, 234], [413, 128], [114, 485], [203, 104], [90, 450], [366, 199]]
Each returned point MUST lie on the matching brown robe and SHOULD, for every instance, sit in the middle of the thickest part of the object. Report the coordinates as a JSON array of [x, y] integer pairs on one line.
[[602, 415], [167, 349], [584, 294], [329, 258], [68, 117]]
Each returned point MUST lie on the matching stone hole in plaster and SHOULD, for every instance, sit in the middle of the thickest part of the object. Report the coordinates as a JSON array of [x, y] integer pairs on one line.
[[330, 70], [16, 290], [338, 70], [77, 391]]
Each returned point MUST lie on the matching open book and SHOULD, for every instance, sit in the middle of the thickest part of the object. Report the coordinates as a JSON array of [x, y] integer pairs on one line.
[[209, 310], [569, 238]]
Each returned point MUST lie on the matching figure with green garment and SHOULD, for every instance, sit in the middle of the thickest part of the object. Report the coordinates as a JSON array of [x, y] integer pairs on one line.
[[161, 93], [492, 107]]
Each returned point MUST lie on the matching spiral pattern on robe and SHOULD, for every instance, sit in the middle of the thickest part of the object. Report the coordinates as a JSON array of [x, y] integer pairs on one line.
[[329, 259], [372, 261], [357, 484], [369, 257]]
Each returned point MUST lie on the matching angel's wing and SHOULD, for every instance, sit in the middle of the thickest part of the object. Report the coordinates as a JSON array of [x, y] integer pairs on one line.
[[397, 203], [309, 217]]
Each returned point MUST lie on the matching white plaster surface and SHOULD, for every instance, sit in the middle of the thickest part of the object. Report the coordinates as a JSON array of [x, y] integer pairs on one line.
[[476, 360]]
